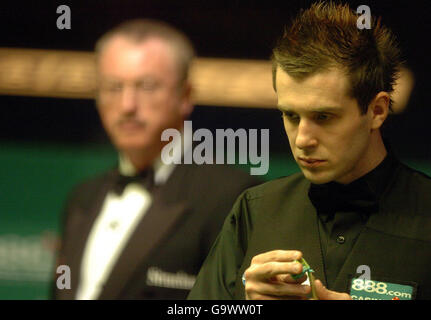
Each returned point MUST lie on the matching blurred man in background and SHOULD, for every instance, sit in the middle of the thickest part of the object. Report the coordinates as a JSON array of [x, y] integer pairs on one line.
[[143, 229], [354, 208]]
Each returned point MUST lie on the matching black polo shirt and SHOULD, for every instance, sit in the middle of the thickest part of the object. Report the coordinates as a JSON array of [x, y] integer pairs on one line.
[[343, 211]]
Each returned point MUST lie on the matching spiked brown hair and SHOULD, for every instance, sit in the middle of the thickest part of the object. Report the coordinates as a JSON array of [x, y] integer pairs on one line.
[[326, 36]]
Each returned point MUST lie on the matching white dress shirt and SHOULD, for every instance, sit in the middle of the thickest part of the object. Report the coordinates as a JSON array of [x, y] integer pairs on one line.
[[119, 216]]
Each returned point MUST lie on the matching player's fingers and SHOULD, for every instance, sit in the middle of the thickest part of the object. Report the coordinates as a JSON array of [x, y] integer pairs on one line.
[[266, 271], [287, 290], [288, 278], [277, 255], [325, 294]]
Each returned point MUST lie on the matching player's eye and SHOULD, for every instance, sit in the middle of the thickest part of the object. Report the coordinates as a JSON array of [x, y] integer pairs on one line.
[[323, 117], [292, 117]]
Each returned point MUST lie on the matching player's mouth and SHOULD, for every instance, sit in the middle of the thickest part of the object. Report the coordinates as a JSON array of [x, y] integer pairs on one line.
[[310, 162]]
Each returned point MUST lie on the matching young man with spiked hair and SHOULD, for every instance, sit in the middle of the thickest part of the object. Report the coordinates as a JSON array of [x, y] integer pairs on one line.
[[354, 208]]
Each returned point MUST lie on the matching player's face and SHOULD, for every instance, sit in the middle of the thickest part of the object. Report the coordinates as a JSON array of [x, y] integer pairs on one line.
[[328, 136], [139, 93]]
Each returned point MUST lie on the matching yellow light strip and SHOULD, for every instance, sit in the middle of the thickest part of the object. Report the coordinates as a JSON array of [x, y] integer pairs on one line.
[[71, 74]]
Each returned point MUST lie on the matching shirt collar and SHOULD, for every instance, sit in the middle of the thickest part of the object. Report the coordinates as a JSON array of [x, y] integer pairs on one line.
[[361, 195], [378, 179]]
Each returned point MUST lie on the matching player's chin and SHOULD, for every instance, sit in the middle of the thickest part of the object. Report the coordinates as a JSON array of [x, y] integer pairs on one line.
[[318, 177]]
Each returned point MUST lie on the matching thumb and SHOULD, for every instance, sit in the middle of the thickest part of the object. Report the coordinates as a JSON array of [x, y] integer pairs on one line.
[[325, 294]]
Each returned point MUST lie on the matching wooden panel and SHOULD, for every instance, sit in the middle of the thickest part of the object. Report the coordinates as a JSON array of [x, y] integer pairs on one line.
[[71, 74]]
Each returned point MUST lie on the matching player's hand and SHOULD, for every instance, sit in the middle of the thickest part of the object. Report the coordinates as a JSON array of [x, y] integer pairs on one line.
[[269, 277], [325, 294]]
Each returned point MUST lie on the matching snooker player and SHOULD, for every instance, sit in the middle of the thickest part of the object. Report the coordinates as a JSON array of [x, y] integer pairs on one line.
[[354, 205]]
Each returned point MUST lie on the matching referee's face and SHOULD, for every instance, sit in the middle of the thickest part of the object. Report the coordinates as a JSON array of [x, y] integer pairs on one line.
[[329, 137], [139, 93]]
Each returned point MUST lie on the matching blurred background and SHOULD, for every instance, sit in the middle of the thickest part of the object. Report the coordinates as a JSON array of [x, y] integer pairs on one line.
[[49, 143]]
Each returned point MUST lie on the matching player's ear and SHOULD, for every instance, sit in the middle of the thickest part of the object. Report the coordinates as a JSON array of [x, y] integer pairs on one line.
[[379, 109]]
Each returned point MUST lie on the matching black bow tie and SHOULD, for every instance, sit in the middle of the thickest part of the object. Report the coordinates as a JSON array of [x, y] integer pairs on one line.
[[145, 178], [331, 197]]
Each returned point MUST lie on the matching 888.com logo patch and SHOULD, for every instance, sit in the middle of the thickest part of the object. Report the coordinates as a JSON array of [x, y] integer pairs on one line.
[[363, 289]]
